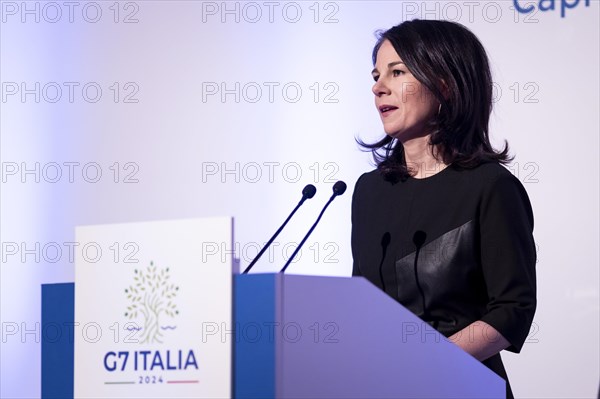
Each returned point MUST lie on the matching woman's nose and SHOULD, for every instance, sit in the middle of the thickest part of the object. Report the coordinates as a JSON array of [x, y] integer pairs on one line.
[[380, 88]]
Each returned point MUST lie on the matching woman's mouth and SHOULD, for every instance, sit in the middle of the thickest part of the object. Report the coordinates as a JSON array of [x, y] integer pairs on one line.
[[386, 110]]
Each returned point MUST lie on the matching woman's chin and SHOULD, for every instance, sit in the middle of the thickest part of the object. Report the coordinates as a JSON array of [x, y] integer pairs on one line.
[[393, 133], [398, 135], [404, 136]]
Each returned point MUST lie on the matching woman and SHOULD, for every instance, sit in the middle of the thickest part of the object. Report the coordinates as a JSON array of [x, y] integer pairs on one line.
[[441, 225]]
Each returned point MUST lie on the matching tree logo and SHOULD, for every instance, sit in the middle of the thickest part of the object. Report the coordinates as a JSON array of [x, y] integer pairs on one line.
[[152, 296]]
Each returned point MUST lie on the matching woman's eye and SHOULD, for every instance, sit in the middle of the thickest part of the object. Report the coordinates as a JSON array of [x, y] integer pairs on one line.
[[376, 77], [397, 72]]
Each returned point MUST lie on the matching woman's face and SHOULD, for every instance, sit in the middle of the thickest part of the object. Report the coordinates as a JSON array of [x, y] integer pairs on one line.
[[404, 104]]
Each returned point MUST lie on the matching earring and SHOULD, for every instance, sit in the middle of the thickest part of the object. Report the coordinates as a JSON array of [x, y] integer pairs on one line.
[[439, 109]]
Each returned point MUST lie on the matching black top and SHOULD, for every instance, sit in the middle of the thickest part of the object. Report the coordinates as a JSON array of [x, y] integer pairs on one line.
[[453, 248]]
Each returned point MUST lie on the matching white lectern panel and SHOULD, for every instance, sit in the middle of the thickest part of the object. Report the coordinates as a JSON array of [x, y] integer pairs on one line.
[[147, 296]]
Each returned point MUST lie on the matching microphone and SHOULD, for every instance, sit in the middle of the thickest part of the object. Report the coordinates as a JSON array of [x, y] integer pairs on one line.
[[339, 188], [307, 193]]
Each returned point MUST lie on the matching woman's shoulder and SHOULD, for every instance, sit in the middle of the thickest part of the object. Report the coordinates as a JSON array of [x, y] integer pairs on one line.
[[370, 178], [488, 170], [488, 174], [369, 185], [499, 185]]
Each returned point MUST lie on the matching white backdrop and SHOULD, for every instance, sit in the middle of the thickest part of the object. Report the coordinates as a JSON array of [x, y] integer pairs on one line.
[[148, 110]]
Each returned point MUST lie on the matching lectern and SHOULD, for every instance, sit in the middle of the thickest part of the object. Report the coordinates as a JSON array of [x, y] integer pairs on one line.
[[328, 337], [157, 311], [311, 337]]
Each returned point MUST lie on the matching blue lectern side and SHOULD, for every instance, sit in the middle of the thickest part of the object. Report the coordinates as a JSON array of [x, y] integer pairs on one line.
[[58, 316], [307, 337], [328, 337]]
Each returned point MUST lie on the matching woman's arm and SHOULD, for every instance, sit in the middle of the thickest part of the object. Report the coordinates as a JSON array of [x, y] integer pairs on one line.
[[508, 258], [480, 340]]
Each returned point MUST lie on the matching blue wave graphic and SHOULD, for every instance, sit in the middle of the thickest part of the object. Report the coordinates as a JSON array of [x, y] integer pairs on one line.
[[131, 328], [168, 327]]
